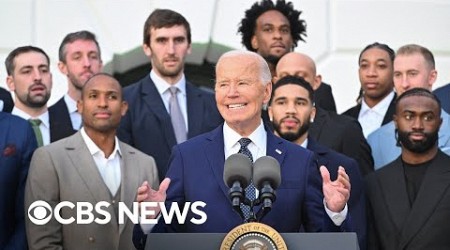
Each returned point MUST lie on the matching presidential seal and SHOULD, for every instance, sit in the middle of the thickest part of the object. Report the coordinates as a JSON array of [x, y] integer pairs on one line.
[[254, 236]]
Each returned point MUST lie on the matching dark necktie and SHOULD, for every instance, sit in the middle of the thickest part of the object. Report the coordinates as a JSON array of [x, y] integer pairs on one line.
[[178, 124], [37, 131], [250, 191]]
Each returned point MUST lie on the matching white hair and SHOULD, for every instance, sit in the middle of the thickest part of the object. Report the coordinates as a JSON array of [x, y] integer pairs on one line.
[[264, 71]]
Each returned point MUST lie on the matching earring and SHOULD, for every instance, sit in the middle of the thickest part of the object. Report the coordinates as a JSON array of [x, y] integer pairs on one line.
[[312, 120]]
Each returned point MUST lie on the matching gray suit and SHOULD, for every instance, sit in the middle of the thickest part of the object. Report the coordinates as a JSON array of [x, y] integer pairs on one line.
[[66, 171]]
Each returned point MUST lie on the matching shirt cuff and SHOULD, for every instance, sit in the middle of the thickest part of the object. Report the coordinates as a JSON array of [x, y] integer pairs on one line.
[[337, 218], [147, 227]]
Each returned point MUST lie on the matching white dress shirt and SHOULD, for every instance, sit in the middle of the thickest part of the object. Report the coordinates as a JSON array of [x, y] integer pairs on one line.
[[109, 168], [372, 118], [258, 148], [163, 89], [1, 105], [75, 117], [45, 123]]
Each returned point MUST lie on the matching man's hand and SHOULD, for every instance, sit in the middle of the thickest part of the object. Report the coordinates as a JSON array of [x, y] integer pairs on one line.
[[146, 194], [336, 192]]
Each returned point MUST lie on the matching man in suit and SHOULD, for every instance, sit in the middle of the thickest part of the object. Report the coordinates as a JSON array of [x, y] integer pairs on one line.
[[17, 144], [89, 166], [409, 197], [414, 67], [79, 59], [443, 93], [291, 110], [376, 68], [273, 30], [6, 101], [340, 133], [243, 86], [158, 119], [30, 79]]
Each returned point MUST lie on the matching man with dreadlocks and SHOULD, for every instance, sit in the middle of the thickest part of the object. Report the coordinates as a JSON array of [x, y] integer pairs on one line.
[[274, 29]]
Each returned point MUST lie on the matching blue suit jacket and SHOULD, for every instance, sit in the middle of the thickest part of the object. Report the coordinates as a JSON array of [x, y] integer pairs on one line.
[[17, 144], [443, 94], [147, 125], [196, 170], [356, 204], [384, 145], [60, 123]]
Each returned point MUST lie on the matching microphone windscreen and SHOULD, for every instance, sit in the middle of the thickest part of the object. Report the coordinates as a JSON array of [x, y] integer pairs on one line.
[[238, 167], [266, 169]]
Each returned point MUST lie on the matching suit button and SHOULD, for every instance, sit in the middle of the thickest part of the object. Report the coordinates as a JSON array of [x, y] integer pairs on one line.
[[113, 201], [91, 239]]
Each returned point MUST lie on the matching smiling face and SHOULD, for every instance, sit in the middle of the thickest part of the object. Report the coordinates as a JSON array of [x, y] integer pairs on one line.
[[272, 37], [240, 92], [376, 74], [101, 105], [31, 80]]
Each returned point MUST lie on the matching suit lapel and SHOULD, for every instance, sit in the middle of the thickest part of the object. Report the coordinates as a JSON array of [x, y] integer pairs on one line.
[[434, 186], [129, 179], [275, 147], [155, 103], [194, 110], [390, 111], [216, 157], [319, 122], [84, 163], [60, 123], [392, 183]]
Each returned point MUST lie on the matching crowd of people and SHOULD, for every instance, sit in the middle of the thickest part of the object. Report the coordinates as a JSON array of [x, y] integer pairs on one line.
[[378, 169]]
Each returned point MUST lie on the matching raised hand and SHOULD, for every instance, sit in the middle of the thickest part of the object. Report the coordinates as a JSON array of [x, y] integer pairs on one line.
[[146, 194], [336, 192]]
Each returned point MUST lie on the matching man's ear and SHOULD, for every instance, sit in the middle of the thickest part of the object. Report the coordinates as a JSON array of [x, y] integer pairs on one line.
[[10, 83], [275, 79], [254, 43], [147, 50], [317, 82], [62, 68]]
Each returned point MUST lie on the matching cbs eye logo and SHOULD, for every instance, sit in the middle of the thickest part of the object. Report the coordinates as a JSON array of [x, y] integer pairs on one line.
[[40, 212]]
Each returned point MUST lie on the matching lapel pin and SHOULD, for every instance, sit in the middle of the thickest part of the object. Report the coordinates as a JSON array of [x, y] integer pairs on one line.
[[278, 151]]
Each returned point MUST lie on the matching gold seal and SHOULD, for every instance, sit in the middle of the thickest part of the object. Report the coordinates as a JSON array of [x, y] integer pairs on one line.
[[255, 236]]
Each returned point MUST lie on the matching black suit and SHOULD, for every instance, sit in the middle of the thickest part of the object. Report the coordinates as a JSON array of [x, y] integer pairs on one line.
[[354, 111], [147, 125], [8, 103], [344, 135], [323, 97], [394, 223], [60, 123]]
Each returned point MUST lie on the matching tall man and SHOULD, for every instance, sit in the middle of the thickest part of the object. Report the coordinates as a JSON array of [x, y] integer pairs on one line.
[[414, 67], [376, 70], [291, 110], [79, 59], [409, 198], [17, 144], [274, 29], [89, 166], [340, 133], [166, 109], [243, 86], [29, 77]]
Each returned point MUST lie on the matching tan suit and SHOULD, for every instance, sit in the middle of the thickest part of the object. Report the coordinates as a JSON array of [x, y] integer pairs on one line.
[[66, 171]]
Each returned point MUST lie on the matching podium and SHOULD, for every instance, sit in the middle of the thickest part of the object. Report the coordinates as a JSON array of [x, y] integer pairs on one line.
[[211, 241]]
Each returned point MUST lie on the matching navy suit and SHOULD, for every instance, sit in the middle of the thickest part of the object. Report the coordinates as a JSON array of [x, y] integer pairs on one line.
[[147, 125], [356, 203], [60, 123], [17, 144], [443, 94], [196, 173]]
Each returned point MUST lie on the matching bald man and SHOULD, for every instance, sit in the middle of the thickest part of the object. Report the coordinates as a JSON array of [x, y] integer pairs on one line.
[[340, 133]]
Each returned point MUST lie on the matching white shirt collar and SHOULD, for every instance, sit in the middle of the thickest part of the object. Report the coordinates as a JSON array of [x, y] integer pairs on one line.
[[94, 149], [43, 117], [380, 108], [71, 104], [259, 139], [162, 86]]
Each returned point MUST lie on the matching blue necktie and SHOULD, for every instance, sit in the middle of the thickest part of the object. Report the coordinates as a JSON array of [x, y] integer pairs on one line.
[[250, 191]]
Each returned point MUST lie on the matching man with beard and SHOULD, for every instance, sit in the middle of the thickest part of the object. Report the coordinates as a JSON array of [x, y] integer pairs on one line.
[[291, 110], [273, 30], [79, 59], [414, 67], [165, 108], [408, 199], [29, 76]]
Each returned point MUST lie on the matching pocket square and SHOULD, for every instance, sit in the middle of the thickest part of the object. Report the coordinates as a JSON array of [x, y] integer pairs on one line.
[[9, 150]]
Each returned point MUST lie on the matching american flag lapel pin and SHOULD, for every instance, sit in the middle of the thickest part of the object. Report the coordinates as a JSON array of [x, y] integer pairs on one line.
[[278, 151]]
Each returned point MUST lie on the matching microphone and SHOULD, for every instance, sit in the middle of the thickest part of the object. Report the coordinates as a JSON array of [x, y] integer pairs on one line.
[[267, 178], [237, 174]]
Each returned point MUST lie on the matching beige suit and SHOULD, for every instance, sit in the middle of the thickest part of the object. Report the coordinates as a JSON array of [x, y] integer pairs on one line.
[[66, 171]]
